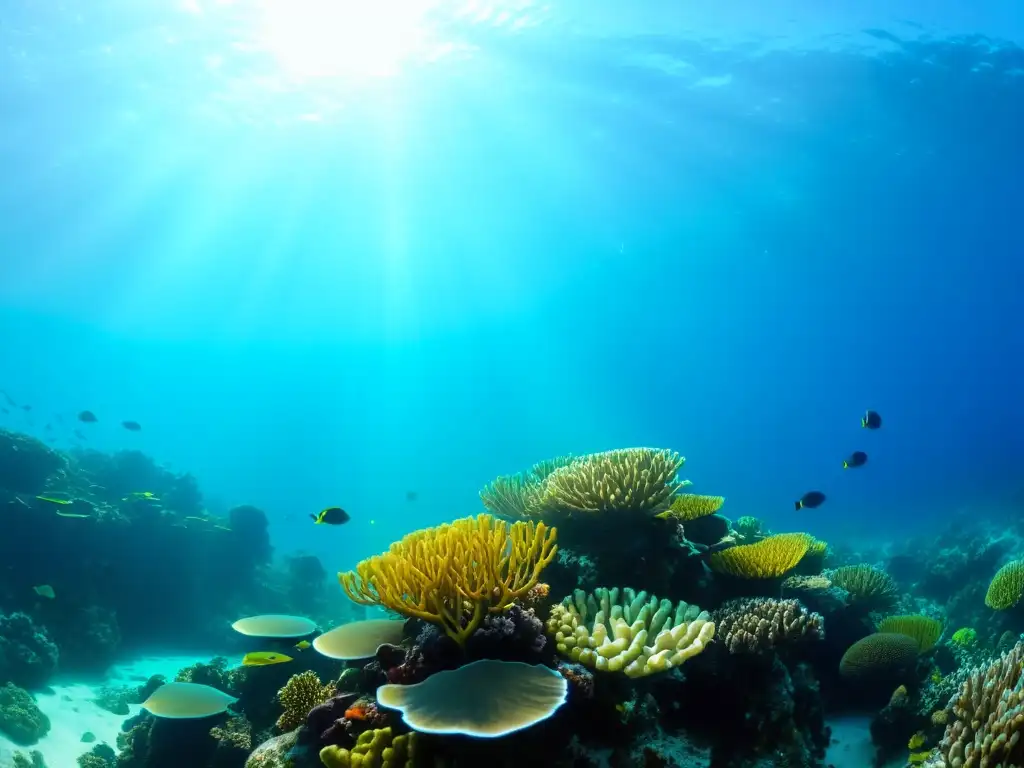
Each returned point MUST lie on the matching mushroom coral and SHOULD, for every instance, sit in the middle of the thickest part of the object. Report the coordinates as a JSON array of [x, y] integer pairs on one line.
[[452, 575]]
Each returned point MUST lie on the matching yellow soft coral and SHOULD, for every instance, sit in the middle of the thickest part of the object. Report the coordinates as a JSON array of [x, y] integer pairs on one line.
[[628, 480], [925, 631], [300, 694], [373, 749], [691, 506], [609, 629], [766, 559], [1007, 586], [452, 575]]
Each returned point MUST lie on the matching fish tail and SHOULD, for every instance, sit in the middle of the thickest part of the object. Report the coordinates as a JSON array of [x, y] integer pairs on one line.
[[846, 465], [315, 518], [864, 421], [798, 505]]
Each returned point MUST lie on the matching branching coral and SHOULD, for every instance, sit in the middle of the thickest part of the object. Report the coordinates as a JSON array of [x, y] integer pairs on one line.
[[1007, 586], [867, 585], [925, 631], [686, 507], [880, 654], [452, 575], [753, 625], [609, 629], [520, 496], [374, 749], [628, 480], [989, 717], [301, 694], [767, 559]]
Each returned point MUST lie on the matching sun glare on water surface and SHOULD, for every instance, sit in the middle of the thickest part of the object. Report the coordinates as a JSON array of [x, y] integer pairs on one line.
[[345, 38]]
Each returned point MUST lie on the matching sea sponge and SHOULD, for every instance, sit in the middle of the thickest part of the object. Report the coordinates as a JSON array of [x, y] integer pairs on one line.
[[989, 716], [754, 625], [20, 719], [485, 699], [880, 654], [452, 575], [1007, 586], [374, 749], [607, 631], [300, 694], [686, 507], [866, 585], [766, 559], [520, 496], [637, 481], [925, 631]]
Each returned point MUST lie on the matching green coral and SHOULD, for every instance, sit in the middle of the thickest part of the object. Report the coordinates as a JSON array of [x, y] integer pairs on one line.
[[880, 654], [748, 527], [965, 637], [520, 496], [20, 718], [1007, 586], [868, 586], [373, 749], [100, 756], [924, 630]]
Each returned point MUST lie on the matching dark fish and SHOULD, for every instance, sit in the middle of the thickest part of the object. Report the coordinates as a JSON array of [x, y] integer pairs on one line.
[[811, 500], [871, 420], [856, 459], [26, 408], [78, 433], [411, 495], [131, 426], [88, 417], [331, 516]]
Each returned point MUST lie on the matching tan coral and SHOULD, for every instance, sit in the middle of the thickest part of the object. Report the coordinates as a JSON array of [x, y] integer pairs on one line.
[[300, 694], [609, 630], [753, 625]]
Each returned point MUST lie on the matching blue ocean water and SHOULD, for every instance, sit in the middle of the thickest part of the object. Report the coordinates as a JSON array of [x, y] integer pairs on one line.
[[328, 254]]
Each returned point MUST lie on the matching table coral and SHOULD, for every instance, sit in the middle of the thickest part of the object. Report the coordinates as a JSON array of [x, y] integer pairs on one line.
[[609, 631], [453, 574], [755, 625], [20, 718], [768, 558]]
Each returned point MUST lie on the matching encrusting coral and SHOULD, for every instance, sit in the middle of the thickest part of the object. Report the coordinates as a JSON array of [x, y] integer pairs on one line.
[[452, 575], [300, 694], [766, 559], [1006, 587], [628, 480], [925, 631], [373, 749], [609, 631], [989, 717], [753, 625], [880, 654]]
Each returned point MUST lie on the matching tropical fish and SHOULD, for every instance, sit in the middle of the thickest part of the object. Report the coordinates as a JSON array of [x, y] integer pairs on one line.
[[131, 426], [45, 590], [54, 500], [871, 420], [73, 514], [811, 500], [856, 459], [264, 659], [302, 645], [331, 516], [142, 496], [88, 417]]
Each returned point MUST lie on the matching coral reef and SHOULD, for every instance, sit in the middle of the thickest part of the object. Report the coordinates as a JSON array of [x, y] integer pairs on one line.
[[452, 575], [766, 559], [880, 654], [301, 694], [1006, 587], [867, 586], [20, 718], [925, 631], [28, 657], [755, 625], [376, 748]]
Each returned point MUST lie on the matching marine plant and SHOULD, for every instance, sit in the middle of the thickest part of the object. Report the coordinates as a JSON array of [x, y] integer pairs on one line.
[[1006, 587], [615, 630], [768, 558], [453, 574]]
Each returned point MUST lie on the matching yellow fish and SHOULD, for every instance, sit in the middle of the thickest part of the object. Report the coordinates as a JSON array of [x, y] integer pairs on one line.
[[45, 590], [303, 645], [53, 499], [73, 514], [264, 659]]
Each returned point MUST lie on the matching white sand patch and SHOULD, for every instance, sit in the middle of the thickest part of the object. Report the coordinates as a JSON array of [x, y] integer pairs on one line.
[[72, 711]]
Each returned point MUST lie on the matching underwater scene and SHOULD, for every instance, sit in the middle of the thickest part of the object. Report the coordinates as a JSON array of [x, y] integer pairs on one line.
[[504, 383]]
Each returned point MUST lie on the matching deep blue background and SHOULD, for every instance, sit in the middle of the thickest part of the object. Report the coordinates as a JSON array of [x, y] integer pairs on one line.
[[598, 232]]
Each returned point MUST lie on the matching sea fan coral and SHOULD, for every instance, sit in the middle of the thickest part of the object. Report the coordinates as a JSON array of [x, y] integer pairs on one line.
[[629, 480], [925, 631], [767, 559], [866, 585], [609, 631], [299, 696], [1007, 586], [452, 575], [880, 654], [753, 625]]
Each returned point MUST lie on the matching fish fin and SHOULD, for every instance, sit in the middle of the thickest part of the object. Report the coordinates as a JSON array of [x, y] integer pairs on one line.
[[846, 465], [798, 505], [315, 518]]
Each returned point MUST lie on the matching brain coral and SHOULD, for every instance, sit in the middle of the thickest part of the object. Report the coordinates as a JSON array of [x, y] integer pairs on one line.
[[766, 559], [880, 654], [1006, 587]]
